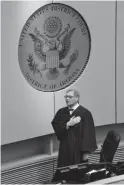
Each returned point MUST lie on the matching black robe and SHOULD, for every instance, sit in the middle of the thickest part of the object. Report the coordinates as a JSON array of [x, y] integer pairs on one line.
[[76, 139]]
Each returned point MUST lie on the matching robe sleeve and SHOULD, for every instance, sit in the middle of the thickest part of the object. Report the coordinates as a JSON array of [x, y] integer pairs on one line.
[[59, 124], [88, 136]]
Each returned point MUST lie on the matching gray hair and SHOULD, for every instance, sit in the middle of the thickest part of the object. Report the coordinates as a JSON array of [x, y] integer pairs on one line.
[[76, 92]]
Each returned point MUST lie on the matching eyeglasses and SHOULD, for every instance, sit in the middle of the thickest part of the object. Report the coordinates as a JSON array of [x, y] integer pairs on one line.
[[67, 96]]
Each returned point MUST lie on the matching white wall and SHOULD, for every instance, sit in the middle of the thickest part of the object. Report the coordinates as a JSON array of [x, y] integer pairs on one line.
[[120, 63], [97, 84], [26, 112]]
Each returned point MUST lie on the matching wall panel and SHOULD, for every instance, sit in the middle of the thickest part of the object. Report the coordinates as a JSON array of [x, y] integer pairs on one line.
[[120, 62], [96, 84], [25, 113]]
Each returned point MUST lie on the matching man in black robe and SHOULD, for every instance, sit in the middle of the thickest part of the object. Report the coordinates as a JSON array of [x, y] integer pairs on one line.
[[74, 128]]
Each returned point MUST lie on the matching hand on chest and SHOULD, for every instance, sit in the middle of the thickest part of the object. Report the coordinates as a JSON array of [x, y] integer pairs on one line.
[[75, 119]]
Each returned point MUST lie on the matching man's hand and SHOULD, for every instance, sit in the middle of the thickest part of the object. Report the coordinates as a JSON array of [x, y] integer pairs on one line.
[[85, 156], [73, 121]]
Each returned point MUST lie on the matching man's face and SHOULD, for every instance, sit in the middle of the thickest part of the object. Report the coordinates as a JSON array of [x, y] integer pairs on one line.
[[70, 98]]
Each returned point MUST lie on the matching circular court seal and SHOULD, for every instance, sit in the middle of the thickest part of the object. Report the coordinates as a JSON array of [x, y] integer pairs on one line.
[[54, 47]]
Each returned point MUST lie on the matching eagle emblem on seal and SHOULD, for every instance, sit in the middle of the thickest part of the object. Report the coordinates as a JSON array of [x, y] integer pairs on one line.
[[51, 48]]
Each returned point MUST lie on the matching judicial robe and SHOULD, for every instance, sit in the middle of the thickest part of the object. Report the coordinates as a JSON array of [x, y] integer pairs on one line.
[[76, 139]]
